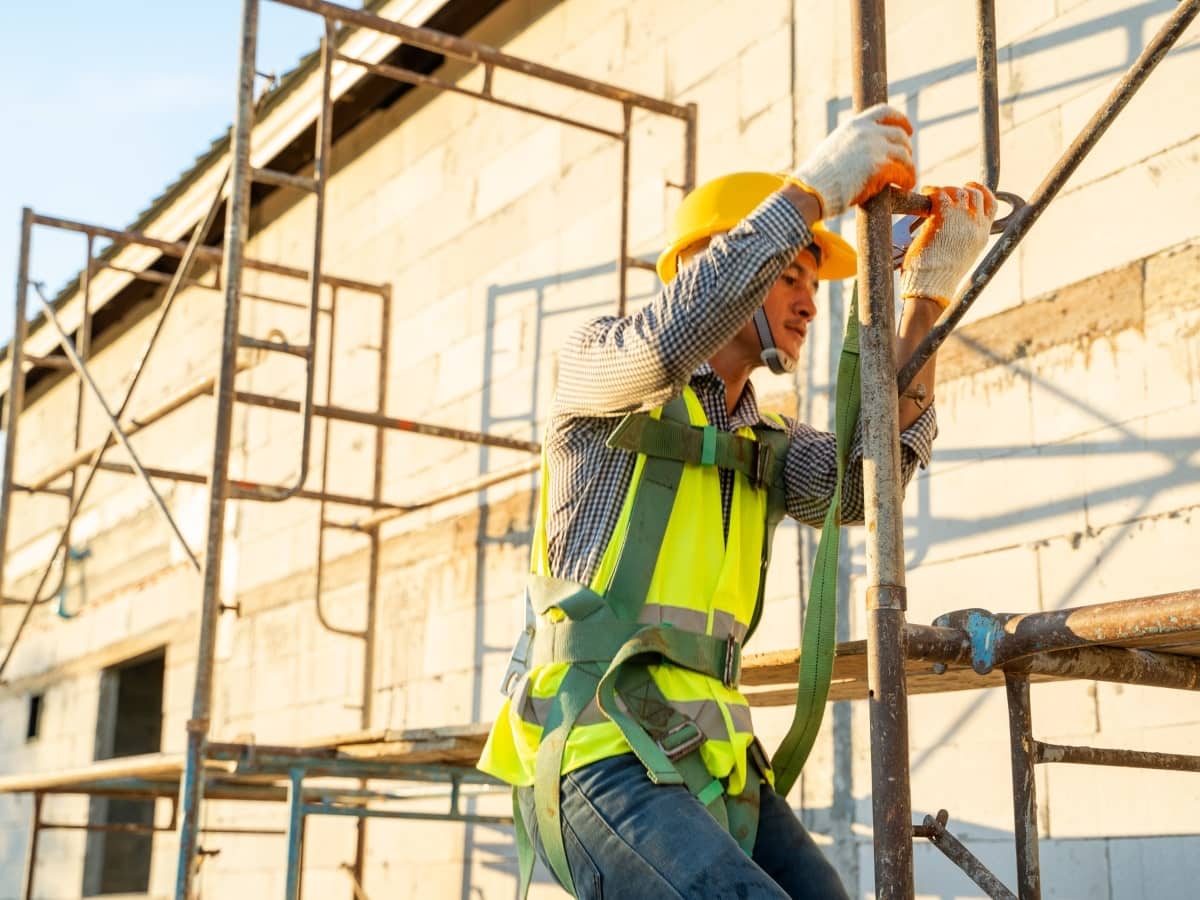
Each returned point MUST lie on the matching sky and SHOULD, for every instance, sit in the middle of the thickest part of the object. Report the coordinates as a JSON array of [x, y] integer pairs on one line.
[[104, 104]]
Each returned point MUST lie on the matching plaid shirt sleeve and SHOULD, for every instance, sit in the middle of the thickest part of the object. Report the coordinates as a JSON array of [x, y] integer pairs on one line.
[[810, 470], [617, 365]]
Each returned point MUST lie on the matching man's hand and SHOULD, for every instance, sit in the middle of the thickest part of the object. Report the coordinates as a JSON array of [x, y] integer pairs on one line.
[[858, 159], [947, 242]]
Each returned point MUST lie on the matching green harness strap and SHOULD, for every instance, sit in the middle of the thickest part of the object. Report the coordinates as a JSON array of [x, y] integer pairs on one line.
[[608, 650], [819, 641]]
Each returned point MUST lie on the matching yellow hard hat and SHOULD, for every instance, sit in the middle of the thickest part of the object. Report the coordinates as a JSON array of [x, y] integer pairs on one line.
[[718, 205]]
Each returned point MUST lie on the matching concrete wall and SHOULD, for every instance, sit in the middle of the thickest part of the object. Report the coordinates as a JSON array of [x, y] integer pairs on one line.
[[1065, 472]]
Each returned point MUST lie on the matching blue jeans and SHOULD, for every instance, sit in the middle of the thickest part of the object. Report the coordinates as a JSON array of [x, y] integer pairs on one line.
[[629, 838]]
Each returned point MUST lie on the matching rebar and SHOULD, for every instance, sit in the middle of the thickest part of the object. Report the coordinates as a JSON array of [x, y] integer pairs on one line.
[[934, 829]]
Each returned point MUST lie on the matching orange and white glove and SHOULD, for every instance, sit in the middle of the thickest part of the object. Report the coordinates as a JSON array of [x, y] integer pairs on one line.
[[858, 159], [947, 242]]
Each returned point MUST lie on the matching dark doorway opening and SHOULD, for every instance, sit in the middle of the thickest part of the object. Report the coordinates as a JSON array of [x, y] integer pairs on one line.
[[129, 723]]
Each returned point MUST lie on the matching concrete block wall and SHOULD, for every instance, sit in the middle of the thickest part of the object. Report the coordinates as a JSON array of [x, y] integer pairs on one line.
[[1076, 376]]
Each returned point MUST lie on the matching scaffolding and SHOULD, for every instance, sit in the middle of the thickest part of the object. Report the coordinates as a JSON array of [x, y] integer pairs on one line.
[[1151, 641], [248, 771]]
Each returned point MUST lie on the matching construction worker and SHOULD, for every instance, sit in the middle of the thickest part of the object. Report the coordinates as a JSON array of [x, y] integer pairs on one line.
[[636, 769]]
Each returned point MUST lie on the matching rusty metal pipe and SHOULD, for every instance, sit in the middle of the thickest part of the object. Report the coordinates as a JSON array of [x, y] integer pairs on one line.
[[944, 645], [623, 229], [205, 254], [481, 54], [1024, 218], [15, 401], [1119, 665], [999, 639], [408, 76], [247, 490], [319, 569], [989, 94], [373, 563], [891, 798], [377, 420], [82, 370], [469, 487], [1025, 826], [690, 139], [154, 277], [237, 228], [131, 427], [1122, 620], [1104, 756], [971, 865], [97, 454], [276, 178], [35, 834]]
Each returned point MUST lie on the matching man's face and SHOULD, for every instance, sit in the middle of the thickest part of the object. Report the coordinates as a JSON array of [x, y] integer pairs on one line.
[[791, 303]]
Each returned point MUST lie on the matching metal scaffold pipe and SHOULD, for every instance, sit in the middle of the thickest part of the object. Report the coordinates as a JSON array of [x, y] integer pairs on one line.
[[237, 227], [891, 800], [16, 388], [481, 54]]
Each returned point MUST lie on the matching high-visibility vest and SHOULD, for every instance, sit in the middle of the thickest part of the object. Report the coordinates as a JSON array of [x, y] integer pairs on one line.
[[662, 625], [696, 589]]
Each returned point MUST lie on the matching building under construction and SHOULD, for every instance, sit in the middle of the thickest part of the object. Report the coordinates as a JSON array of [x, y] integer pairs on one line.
[[269, 472]]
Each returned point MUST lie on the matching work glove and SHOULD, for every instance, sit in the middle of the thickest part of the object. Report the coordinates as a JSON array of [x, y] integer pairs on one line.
[[947, 242], [858, 159]]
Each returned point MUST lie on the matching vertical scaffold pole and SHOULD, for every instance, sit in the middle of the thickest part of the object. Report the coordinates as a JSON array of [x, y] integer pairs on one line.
[[1024, 777], [16, 387], [35, 834], [236, 232], [881, 477]]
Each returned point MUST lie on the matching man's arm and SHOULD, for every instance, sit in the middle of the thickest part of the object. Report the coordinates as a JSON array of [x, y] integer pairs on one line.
[[616, 365], [942, 253], [810, 470]]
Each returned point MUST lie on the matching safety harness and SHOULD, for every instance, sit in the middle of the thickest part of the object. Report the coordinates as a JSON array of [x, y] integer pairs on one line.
[[609, 650]]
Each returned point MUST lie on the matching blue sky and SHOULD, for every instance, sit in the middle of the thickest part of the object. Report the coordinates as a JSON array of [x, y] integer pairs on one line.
[[103, 105]]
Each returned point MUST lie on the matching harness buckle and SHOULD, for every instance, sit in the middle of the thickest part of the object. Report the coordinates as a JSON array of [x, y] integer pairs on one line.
[[758, 755], [733, 663], [518, 663], [681, 740], [763, 455]]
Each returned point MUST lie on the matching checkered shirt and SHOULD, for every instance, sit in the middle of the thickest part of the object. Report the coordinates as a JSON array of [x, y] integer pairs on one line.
[[613, 366]]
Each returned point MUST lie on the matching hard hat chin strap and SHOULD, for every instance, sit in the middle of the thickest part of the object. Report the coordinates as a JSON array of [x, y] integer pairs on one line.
[[774, 358]]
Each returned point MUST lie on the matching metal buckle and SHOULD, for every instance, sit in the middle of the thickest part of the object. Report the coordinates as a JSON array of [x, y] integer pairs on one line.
[[518, 663], [733, 663], [758, 755], [686, 745], [762, 463]]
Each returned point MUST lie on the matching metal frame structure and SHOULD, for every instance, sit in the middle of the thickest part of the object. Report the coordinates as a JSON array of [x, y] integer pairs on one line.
[[255, 773], [234, 194], [890, 638], [1093, 642]]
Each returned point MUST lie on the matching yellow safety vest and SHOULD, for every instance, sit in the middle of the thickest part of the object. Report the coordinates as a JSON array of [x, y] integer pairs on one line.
[[703, 583]]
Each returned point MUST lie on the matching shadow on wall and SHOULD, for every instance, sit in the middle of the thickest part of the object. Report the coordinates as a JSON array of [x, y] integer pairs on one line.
[[1179, 464]]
